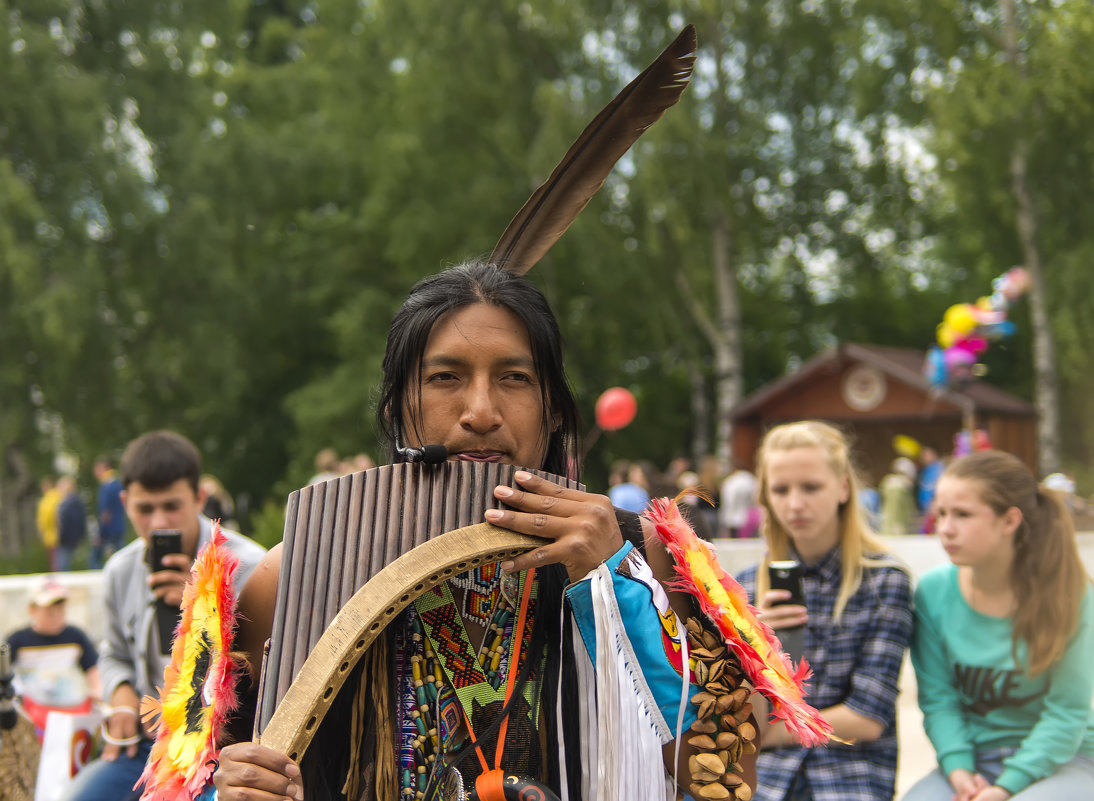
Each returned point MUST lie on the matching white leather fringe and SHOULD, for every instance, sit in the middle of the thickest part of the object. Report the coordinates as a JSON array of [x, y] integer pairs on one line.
[[630, 727]]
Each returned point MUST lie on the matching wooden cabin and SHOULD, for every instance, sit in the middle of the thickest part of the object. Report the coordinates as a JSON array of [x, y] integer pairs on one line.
[[875, 393]]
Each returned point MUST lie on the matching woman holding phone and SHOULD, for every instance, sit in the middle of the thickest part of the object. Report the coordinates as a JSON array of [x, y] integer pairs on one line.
[[1003, 642], [855, 623]]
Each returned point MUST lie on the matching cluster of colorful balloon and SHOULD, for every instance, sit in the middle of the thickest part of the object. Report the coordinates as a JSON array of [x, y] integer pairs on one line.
[[967, 328]]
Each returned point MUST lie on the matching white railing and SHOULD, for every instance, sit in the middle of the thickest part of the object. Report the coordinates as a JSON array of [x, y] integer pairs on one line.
[[85, 587]]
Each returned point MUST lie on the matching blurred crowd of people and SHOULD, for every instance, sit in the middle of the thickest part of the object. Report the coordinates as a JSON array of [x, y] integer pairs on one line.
[[803, 481], [972, 500], [82, 526], [328, 465], [803, 469], [161, 496], [719, 505], [727, 505], [70, 519], [904, 500]]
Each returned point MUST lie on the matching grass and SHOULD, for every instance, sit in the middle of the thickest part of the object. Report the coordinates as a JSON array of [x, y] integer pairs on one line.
[[32, 559]]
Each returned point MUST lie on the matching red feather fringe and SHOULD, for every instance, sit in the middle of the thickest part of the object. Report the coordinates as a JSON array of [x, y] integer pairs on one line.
[[755, 644]]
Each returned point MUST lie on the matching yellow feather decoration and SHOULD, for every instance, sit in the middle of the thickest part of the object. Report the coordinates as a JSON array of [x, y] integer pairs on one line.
[[199, 685]]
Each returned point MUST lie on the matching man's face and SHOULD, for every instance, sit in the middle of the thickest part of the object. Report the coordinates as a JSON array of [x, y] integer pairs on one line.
[[176, 506], [480, 393]]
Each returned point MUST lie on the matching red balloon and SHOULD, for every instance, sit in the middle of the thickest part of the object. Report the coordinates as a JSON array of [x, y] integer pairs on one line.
[[615, 408]]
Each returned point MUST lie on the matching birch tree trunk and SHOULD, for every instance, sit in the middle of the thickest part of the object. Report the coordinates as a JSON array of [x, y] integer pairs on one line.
[[722, 332], [1046, 392], [700, 412], [728, 372], [15, 485]]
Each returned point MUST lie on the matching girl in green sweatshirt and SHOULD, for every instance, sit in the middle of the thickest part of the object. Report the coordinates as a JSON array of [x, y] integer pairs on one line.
[[1004, 642]]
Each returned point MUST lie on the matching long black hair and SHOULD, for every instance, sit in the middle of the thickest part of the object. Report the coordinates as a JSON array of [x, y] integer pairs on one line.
[[464, 285]]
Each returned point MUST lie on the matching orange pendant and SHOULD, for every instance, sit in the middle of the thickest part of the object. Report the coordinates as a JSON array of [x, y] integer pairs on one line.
[[490, 785]]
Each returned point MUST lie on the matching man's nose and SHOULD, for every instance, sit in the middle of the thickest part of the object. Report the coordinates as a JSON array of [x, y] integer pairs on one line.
[[480, 411], [160, 519]]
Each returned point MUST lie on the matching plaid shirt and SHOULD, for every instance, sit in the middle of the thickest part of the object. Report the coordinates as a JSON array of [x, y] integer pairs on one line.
[[857, 663]]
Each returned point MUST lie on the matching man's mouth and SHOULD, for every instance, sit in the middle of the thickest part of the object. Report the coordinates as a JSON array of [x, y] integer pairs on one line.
[[479, 456]]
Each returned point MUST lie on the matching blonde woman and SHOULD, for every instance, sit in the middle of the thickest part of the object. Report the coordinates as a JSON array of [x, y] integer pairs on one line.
[[854, 625], [1004, 640]]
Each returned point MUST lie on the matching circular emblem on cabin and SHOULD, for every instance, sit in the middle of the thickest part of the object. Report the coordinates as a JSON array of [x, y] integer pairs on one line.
[[863, 388]]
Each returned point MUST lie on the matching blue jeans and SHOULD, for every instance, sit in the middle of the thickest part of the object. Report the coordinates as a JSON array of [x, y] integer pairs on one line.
[[66, 557], [110, 781], [1072, 781], [107, 545]]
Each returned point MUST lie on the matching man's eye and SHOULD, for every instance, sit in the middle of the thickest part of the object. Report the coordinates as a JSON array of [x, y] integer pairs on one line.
[[523, 377], [440, 377]]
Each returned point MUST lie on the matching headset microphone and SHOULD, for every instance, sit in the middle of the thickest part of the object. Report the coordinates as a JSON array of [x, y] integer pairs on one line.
[[428, 454]]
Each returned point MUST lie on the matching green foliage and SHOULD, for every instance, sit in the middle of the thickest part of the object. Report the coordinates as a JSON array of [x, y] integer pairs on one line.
[[210, 211], [268, 524], [32, 558], [979, 105]]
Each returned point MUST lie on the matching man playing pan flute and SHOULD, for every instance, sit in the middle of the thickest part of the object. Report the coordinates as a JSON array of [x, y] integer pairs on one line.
[[576, 685], [474, 363]]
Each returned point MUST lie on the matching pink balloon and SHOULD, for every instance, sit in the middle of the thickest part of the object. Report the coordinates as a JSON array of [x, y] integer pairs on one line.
[[615, 408], [957, 356], [976, 344]]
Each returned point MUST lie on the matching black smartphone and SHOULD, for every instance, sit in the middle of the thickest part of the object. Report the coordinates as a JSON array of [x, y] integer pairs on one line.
[[162, 543], [787, 575]]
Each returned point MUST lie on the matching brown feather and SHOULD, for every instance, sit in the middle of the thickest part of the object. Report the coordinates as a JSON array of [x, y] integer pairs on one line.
[[555, 205]]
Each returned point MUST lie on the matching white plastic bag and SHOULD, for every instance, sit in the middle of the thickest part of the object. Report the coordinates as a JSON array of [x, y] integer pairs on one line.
[[67, 745]]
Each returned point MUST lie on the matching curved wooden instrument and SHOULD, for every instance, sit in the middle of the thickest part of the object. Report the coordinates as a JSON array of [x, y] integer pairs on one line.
[[357, 551], [366, 615]]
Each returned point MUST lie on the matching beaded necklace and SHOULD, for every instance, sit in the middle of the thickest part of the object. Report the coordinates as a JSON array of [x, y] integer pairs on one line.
[[436, 689], [482, 588]]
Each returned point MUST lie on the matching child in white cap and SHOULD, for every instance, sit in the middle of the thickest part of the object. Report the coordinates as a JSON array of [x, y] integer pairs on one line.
[[55, 663]]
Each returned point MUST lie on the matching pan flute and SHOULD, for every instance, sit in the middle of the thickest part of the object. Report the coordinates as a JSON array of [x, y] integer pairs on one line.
[[357, 551]]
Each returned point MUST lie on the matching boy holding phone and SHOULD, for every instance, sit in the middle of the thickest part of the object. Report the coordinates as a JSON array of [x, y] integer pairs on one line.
[[143, 584]]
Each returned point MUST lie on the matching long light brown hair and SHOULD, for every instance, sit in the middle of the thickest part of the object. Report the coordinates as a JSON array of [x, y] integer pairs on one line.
[[1046, 574], [859, 544]]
